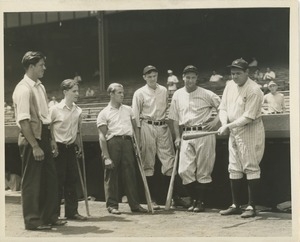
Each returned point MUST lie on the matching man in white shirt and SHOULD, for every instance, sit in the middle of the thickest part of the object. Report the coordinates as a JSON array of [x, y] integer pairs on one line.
[[215, 77], [172, 82], [66, 120], [36, 145], [149, 105], [269, 75], [116, 125], [274, 99]]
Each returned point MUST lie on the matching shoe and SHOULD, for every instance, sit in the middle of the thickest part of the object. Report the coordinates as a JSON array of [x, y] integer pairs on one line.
[[41, 227], [59, 223], [179, 202], [113, 211], [155, 206], [139, 209], [76, 217], [192, 207], [249, 213], [199, 208], [231, 211]]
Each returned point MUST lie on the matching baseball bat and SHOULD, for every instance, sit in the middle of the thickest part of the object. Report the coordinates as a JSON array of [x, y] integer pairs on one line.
[[171, 186], [199, 134], [144, 179]]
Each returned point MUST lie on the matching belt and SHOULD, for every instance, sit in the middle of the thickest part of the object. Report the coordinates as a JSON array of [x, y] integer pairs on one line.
[[275, 112], [123, 136], [157, 123], [67, 146], [46, 126], [197, 128]]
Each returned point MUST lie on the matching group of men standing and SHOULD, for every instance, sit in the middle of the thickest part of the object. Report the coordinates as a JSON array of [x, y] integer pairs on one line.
[[48, 139]]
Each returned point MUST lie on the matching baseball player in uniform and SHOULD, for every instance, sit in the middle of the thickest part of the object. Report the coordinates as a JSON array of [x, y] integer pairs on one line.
[[149, 105], [240, 113], [115, 125], [192, 110], [66, 118]]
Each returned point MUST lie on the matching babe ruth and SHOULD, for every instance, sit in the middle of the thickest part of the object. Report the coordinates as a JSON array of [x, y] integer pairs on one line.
[[240, 113], [149, 105], [191, 109]]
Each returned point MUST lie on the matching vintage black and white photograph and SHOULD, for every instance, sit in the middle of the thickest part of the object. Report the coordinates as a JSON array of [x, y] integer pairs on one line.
[[132, 121]]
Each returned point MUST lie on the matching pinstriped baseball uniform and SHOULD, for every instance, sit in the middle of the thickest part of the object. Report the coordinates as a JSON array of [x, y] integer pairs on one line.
[[197, 156], [151, 105], [246, 143]]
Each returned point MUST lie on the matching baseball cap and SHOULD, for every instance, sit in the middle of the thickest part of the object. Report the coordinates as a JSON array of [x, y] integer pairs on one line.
[[190, 68], [239, 63], [271, 83], [170, 71], [148, 69]]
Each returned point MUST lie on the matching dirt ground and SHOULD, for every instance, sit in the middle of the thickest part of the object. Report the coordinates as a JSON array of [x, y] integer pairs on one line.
[[164, 224]]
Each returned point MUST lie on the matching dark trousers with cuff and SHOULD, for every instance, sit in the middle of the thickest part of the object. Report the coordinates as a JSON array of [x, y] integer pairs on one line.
[[122, 154], [39, 183]]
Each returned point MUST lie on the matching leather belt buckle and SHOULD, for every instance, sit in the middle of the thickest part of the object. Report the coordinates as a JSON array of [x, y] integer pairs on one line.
[[157, 123], [198, 128]]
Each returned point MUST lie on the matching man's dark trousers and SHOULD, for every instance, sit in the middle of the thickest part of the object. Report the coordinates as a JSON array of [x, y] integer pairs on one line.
[[67, 173], [39, 183], [121, 153]]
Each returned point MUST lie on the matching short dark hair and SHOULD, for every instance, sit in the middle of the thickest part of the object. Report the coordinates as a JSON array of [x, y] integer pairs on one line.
[[68, 84], [31, 58], [112, 87]]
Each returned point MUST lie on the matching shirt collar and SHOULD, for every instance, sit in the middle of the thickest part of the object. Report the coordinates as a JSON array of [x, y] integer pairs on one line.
[[112, 107], [153, 90], [31, 82], [63, 104]]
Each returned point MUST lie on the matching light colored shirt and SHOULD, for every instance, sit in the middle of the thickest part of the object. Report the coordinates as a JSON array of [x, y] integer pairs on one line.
[[195, 108], [243, 100], [269, 75], [253, 63], [21, 98], [89, 93], [150, 104], [117, 120], [171, 82], [215, 78], [275, 102], [52, 103], [65, 122]]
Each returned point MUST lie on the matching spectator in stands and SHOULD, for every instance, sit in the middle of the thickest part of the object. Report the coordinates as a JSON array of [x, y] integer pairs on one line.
[[253, 63], [52, 102], [269, 75], [258, 75], [7, 108], [215, 77], [172, 82], [12, 182], [274, 99], [89, 92], [77, 77]]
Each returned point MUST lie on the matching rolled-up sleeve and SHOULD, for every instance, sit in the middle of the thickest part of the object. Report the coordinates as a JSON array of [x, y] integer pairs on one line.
[[101, 119], [21, 100]]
